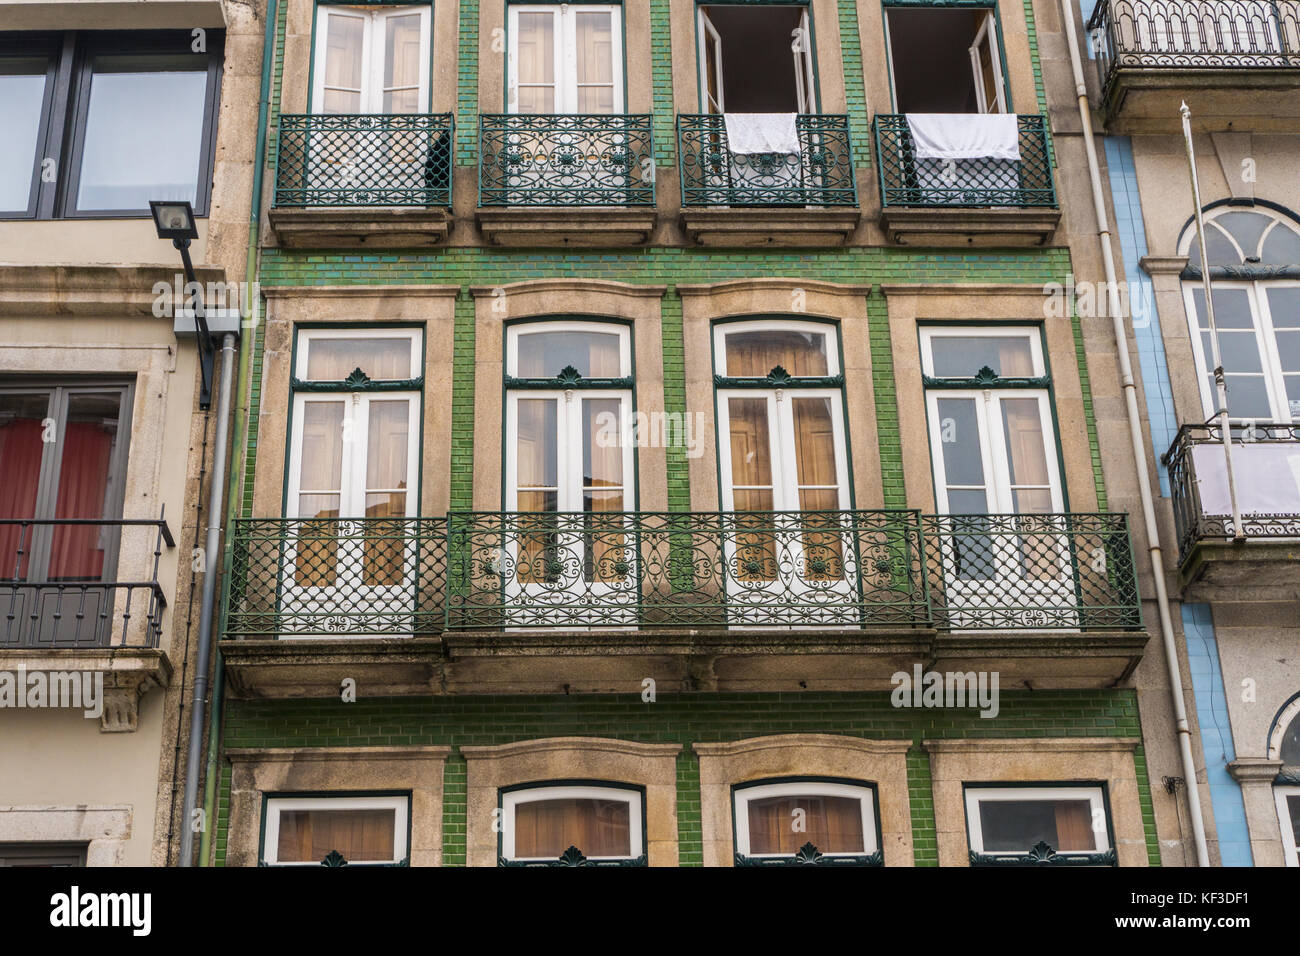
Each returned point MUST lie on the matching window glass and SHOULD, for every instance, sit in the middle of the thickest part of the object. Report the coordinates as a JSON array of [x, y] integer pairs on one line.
[[598, 827], [536, 62], [22, 98], [1016, 826], [144, 131], [402, 51], [546, 354], [753, 354], [962, 356], [361, 836], [382, 359], [1290, 749], [595, 52], [782, 824]]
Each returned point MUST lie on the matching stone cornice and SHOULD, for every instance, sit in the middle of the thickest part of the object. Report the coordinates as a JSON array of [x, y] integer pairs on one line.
[[590, 744], [802, 742]]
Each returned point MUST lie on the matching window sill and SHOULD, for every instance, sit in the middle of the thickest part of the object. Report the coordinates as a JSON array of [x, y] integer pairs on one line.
[[599, 226], [360, 227], [776, 227], [965, 227]]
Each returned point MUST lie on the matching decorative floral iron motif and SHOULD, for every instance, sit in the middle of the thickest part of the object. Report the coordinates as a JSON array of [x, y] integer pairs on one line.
[[1040, 854]]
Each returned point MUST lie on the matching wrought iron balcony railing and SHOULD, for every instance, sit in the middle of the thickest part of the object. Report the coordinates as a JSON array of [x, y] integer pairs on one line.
[[820, 175], [394, 159], [1031, 571], [1266, 466], [59, 589], [557, 159], [906, 180], [1195, 35], [394, 577], [321, 577], [647, 569]]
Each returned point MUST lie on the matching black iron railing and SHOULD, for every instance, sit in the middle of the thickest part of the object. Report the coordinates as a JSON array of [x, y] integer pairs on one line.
[[566, 160], [313, 577], [906, 180], [1031, 571], [837, 569], [820, 175], [59, 589], [1195, 35], [390, 159], [1266, 466]]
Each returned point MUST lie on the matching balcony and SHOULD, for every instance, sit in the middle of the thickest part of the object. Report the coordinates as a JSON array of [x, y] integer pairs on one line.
[[488, 600], [363, 181], [560, 179], [1258, 561], [738, 199], [965, 202], [1239, 59], [66, 604]]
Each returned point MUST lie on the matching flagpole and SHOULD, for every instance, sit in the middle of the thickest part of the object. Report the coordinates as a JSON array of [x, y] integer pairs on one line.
[[1220, 384]]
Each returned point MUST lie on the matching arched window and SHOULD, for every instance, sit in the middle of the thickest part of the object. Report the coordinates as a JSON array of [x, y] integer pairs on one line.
[[805, 821], [574, 825], [1254, 257], [1284, 745]]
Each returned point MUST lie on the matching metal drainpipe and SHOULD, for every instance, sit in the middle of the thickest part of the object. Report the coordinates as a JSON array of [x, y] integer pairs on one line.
[[238, 449], [1184, 733], [212, 549]]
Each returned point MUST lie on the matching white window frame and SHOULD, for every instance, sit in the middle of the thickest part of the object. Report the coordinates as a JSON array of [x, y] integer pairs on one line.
[[355, 404], [975, 795], [1280, 795], [988, 34], [785, 473], [510, 799], [372, 53], [400, 803], [742, 796], [566, 53]]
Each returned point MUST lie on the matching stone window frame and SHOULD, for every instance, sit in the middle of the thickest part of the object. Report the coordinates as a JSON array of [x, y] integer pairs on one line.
[[867, 793], [548, 760], [882, 763], [104, 831]]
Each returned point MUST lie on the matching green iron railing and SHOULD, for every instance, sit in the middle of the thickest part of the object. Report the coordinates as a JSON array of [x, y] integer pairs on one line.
[[908, 181], [820, 175], [834, 569], [566, 160], [319, 577], [1031, 571], [398, 159]]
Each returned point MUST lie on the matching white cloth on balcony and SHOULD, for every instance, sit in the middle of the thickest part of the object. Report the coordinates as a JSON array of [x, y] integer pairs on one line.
[[964, 135], [749, 133]]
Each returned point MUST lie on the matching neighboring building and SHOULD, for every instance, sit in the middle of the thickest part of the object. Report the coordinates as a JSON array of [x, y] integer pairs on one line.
[[1237, 65], [469, 620], [107, 106]]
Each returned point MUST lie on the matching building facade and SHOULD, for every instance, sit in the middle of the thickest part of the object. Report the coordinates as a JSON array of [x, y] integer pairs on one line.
[[1233, 559], [104, 451]]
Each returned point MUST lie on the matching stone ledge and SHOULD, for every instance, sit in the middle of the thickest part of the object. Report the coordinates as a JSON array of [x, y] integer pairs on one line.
[[334, 754], [966, 227], [1143, 99], [129, 674], [311, 667], [568, 744], [803, 741], [360, 227], [774, 227], [522, 226], [1248, 571], [92, 290], [1043, 660], [1038, 745]]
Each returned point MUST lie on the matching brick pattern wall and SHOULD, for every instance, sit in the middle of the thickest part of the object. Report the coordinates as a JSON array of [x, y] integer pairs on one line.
[[677, 718]]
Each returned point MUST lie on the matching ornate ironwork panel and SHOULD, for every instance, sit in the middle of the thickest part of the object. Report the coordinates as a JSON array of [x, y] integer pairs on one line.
[[397, 159], [820, 175], [906, 180], [1040, 854], [649, 569], [1194, 35], [554, 159], [1031, 571], [327, 577], [809, 855]]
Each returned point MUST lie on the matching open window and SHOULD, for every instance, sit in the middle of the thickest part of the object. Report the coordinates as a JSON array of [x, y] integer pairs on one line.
[[1065, 825], [756, 59], [336, 831], [596, 824], [945, 60], [805, 821]]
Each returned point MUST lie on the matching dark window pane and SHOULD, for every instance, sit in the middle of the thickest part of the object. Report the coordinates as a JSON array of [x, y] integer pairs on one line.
[[1015, 826], [22, 94]]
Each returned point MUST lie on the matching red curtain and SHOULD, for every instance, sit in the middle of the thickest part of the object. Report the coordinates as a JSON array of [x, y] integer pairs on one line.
[[76, 553], [20, 463]]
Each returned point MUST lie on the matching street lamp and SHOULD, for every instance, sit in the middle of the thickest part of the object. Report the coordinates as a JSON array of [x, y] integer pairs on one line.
[[175, 221]]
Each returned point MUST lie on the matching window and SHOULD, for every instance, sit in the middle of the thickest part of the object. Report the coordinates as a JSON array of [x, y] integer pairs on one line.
[[100, 123], [1257, 316], [565, 58], [333, 831], [592, 824], [372, 59], [756, 59], [1065, 825], [1288, 815], [945, 59], [813, 821], [42, 854], [569, 465], [353, 464]]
